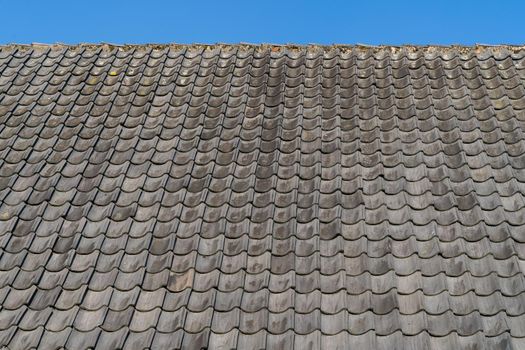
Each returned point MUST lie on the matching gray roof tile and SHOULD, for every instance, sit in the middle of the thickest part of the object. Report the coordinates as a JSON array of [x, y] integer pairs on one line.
[[262, 197]]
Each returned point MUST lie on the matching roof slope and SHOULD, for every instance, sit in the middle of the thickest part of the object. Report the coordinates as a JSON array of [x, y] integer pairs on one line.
[[262, 197]]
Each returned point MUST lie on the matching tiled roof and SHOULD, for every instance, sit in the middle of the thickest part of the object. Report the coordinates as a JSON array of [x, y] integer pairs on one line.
[[262, 197]]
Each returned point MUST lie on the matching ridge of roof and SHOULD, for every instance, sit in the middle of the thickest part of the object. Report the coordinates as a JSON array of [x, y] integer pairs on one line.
[[277, 47]]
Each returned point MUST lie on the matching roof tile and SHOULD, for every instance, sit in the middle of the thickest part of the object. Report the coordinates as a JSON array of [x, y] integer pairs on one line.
[[237, 196]]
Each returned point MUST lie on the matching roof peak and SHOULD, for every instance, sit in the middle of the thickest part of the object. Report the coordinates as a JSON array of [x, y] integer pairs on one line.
[[408, 47]]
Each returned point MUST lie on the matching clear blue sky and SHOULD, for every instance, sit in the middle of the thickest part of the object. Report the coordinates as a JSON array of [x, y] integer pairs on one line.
[[323, 22]]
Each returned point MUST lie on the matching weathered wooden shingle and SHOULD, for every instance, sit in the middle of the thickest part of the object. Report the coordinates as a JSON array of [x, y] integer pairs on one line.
[[262, 197]]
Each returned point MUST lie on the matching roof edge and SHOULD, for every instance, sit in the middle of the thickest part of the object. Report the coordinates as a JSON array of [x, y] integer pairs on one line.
[[276, 47]]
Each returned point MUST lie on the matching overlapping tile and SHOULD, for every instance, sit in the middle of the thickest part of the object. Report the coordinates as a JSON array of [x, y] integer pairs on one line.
[[262, 197]]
